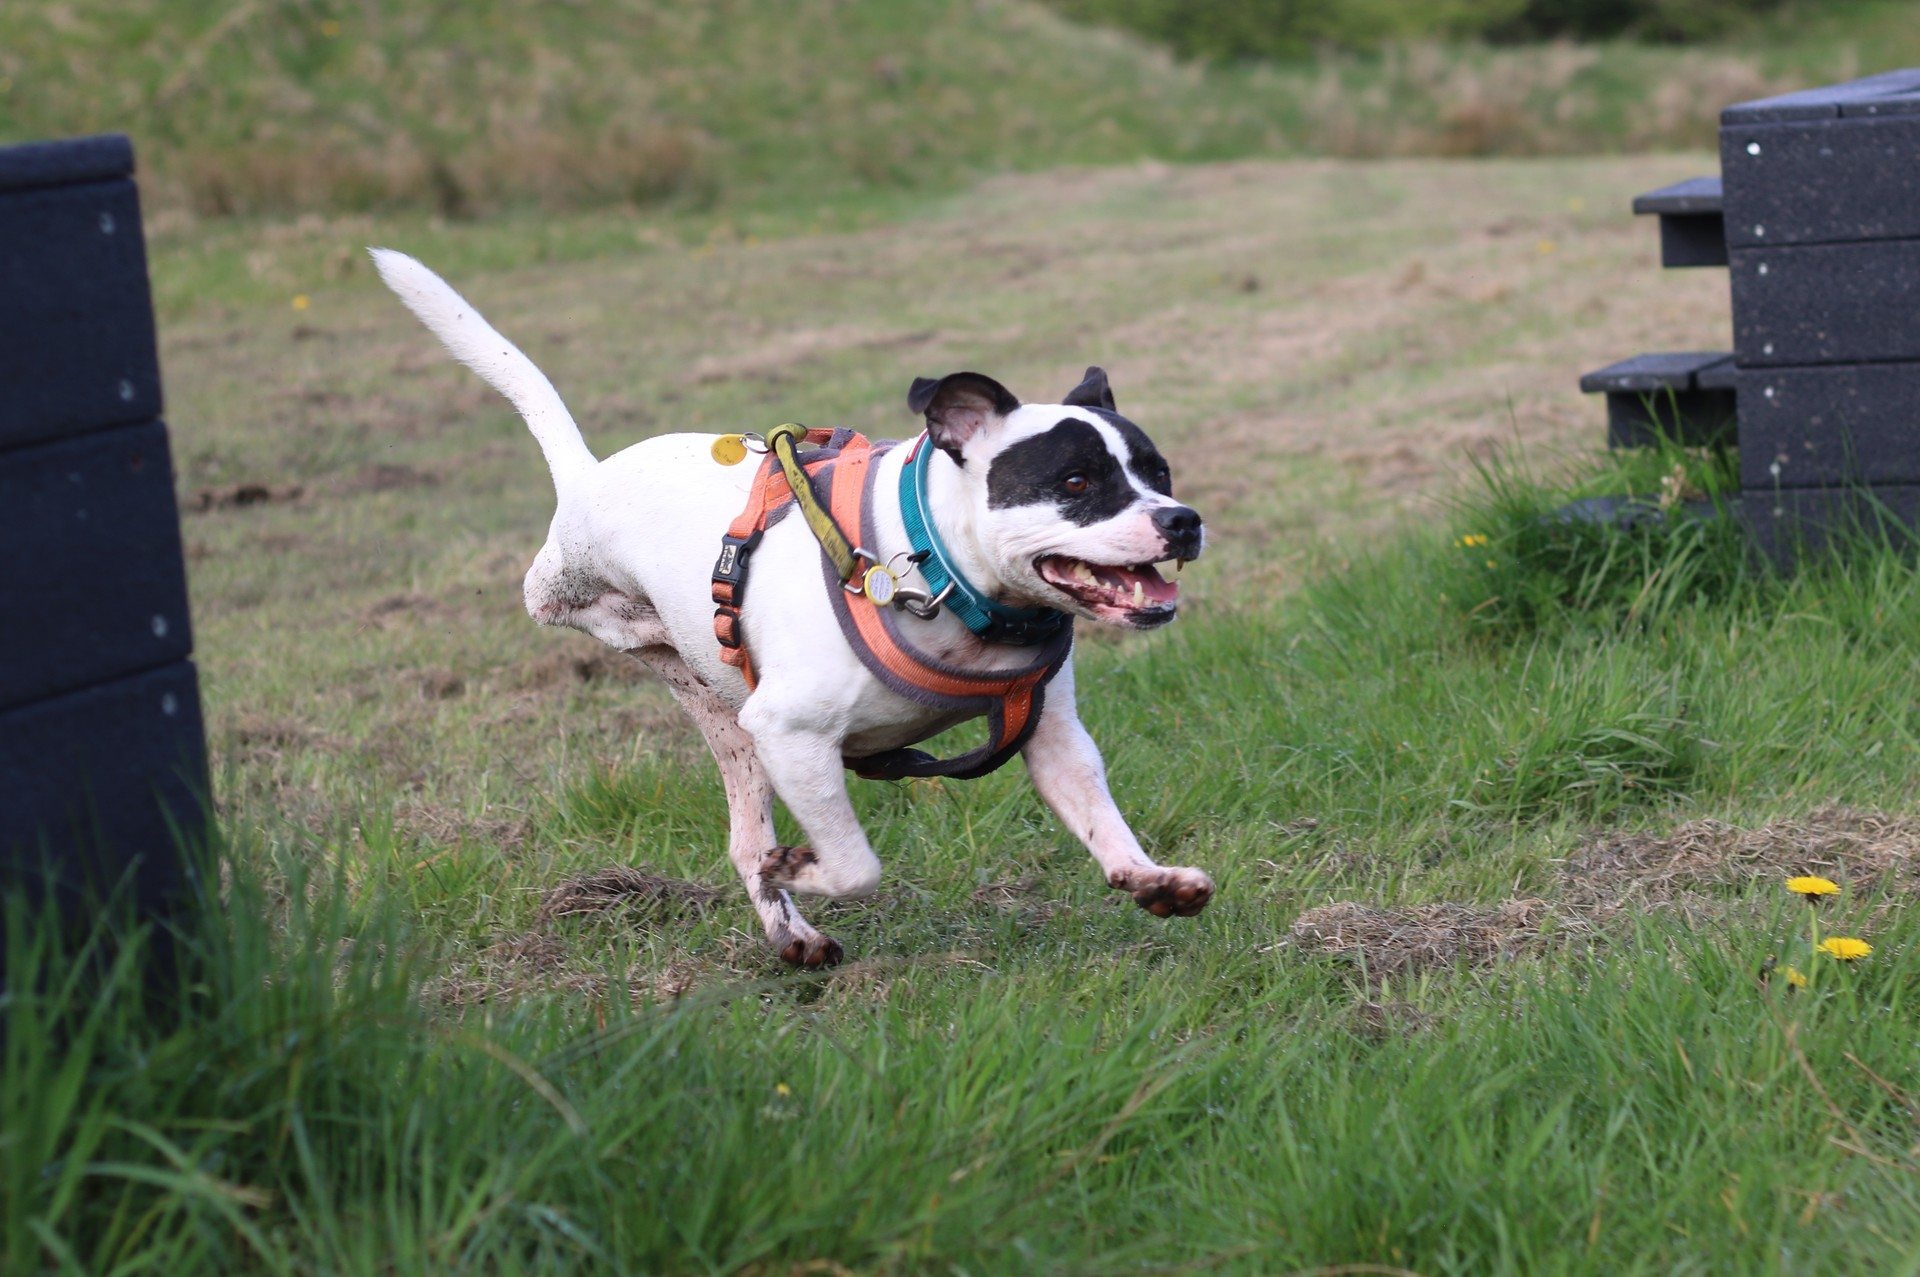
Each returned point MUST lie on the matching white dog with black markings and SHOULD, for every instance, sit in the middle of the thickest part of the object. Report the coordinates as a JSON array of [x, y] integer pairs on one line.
[[1064, 506]]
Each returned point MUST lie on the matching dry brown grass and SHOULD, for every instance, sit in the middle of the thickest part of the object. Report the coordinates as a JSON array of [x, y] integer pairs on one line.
[[621, 887], [1703, 870], [1390, 942], [1552, 99], [1685, 869], [509, 161]]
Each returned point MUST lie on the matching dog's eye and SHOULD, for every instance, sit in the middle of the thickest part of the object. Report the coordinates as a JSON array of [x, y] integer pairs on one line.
[[1075, 483]]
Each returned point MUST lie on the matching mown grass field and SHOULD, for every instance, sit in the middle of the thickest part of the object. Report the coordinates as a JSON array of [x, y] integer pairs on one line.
[[1499, 826], [1500, 809]]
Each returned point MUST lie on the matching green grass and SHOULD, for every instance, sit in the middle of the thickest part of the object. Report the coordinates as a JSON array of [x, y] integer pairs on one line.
[[1078, 1088]]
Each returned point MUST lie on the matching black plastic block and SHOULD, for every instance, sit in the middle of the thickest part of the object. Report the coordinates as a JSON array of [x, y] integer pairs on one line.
[[95, 781], [1827, 304], [76, 321], [1687, 397], [1826, 182], [1692, 231], [1838, 424], [80, 159], [91, 582], [1790, 522], [1829, 101]]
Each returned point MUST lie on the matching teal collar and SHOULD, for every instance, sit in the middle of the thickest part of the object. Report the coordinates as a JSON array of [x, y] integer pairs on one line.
[[991, 621]]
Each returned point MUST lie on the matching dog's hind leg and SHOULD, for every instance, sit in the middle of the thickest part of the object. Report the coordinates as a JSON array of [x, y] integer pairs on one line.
[[750, 833]]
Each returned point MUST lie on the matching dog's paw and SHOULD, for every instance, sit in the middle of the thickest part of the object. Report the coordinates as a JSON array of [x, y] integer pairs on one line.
[[1165, 891], [787, 866], [811, 950]]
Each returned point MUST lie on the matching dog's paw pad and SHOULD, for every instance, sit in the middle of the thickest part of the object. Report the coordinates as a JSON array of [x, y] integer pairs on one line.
[[1166, 893], [812, 951], [782, 865]]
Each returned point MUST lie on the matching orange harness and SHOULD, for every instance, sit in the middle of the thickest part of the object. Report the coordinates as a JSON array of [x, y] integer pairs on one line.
[[1011, 700]]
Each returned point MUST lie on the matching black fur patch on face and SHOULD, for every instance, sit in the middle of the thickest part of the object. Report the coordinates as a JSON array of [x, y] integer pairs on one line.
[[1142, 457], [1045, 469]]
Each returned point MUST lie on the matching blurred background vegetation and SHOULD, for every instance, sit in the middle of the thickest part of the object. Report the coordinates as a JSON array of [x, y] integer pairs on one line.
[[250, 106], [1284, 29]]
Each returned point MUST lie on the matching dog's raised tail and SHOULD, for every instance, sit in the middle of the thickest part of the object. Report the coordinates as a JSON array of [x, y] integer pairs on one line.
[[475, 343]]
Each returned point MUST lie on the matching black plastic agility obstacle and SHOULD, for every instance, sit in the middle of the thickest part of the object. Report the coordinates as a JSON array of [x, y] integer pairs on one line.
[[1816, 215], [103, 774]]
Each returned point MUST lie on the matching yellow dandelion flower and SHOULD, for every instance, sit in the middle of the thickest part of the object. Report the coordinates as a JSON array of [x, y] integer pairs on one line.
[[1845, 948], [1795, 977], [1492, 564], [782, 1089], [301, 301], [1811, 887], [1545, 246], [330, 29], [1470, 540]]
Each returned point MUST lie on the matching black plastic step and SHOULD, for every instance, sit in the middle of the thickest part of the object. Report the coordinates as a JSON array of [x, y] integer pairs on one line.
[[1693, 231], [1683, 396]]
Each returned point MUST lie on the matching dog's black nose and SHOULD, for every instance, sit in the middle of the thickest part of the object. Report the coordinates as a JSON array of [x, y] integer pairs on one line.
[[1181, 526]]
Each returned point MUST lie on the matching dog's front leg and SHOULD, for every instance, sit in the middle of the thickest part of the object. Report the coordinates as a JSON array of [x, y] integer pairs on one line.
[[809, 774], [750, 834], [1066, 768]]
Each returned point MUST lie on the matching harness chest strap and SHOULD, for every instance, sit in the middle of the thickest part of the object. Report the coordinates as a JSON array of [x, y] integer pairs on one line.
[[1010, 700]]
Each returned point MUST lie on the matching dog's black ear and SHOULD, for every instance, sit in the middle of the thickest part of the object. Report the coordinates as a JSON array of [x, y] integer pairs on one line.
[[1092, 392], [957, 405]]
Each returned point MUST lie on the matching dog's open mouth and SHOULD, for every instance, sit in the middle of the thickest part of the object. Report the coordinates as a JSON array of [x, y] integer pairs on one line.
[[1136, 595]]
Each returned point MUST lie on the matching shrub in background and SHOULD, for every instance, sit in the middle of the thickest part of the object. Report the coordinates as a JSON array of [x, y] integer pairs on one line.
[[1281, 29]]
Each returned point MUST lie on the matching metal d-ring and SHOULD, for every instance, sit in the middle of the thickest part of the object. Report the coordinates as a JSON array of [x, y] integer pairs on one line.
[[905, 597], [919, 602]]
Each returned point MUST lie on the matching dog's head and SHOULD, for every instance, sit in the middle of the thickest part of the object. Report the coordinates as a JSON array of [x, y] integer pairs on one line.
[[1069, 503]]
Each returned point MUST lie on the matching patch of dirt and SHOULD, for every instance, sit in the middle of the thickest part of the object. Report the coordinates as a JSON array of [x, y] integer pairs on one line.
[[237, 496], [620, 886], [396, 606], [1387, 942], [384, 477], [259, 738]]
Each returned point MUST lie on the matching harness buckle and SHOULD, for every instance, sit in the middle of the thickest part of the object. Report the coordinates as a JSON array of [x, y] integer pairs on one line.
[[731, 567]]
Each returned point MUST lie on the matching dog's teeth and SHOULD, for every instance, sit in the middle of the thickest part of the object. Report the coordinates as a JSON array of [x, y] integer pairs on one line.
[[1179, 566], [1139, 594], [1082, 572]]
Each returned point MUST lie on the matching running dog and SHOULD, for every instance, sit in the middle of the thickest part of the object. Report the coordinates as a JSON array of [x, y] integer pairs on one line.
[[1045, 512]]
